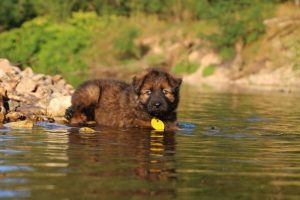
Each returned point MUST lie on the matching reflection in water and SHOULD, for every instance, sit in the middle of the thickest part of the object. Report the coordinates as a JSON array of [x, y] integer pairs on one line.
[[133, 156], [244, 146]]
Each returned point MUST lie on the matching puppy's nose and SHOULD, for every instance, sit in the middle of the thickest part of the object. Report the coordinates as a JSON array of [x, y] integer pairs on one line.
[[157, 104]]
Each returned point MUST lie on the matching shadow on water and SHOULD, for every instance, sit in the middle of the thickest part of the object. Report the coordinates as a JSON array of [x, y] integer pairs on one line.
[[231, 146]]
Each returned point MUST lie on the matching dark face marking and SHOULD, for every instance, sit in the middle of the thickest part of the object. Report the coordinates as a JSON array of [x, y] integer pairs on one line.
[[158, 92]]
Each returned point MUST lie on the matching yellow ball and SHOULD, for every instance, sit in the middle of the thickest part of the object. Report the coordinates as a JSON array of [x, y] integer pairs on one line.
[[157, 124]]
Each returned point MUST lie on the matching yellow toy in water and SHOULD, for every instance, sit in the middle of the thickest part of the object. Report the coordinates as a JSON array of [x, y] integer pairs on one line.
[[157, 124]]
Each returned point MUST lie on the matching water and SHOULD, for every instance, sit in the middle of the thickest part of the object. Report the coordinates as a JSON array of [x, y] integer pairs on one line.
[[234, 146]]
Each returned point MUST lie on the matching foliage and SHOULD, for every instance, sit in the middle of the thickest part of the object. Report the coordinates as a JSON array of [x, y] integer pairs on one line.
[[185, 67], [125, 44], [208, 70], [66, 36], [14, 12], [49, 47], [237, 21]]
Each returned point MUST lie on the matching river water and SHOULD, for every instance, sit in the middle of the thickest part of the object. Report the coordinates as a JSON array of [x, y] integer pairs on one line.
[[231, 146]]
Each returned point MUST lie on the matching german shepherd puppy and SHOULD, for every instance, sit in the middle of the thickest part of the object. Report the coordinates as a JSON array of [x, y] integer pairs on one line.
[[153, 94]]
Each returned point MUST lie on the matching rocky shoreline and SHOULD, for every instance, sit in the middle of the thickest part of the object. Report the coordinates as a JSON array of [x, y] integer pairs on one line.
[[29, 97]]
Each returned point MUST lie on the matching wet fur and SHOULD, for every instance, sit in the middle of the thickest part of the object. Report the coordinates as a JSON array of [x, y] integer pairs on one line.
[[118, 104]]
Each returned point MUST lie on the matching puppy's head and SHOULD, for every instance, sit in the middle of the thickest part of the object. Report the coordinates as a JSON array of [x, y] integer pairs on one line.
[[157, 92]]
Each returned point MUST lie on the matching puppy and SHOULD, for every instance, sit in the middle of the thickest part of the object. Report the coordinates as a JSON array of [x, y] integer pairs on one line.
[[151, 95]]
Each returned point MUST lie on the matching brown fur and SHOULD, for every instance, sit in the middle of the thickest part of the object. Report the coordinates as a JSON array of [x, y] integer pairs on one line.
[[116, 103]]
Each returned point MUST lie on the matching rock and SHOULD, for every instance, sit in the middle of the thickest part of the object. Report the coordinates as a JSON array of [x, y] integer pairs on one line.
[[86, 130], [20, 124], [15, 116], [60, 85], [57, 78], [27, 72], [58, 106], [2, 74], [38, 77], [13, 104], [43, 92], [31, 110], [2, 91], [38, 118], [2, 108], [61, 120], [9, 85], [32, 96], [5, 66], [2, 111], [26, 85]]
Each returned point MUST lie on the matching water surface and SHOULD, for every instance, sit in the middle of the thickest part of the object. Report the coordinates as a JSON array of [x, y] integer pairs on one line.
[[243, 146]]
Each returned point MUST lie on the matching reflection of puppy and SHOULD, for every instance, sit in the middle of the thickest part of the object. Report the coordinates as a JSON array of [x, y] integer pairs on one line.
[[115, 103]]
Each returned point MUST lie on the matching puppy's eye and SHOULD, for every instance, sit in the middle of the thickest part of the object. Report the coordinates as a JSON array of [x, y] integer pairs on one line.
[[165, 91], [148, 92]]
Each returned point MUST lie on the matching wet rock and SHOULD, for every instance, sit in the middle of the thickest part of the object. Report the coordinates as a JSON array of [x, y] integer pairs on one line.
[[2, 105], [31, 110], [13, 104], [86, 130], [26, 124], [58, 106], [61, 120], [26, 85], [38, 118], [2, 111], [15, 116], [15, 97], [32, 96]]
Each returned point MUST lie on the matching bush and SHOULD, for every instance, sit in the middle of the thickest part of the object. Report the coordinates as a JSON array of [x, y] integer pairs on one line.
[[14, 12], [185, 67], [236, 21], [209, 70], [125, 45], [49, 47]]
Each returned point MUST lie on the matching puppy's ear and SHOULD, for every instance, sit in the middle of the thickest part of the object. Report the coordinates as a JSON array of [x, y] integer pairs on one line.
[[174, 81], [137, 83]]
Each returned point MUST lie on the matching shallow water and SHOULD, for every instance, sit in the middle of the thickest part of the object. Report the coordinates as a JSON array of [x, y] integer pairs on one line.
[[243, 146]]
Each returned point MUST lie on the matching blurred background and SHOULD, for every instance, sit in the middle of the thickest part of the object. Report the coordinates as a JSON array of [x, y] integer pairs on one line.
[[247, 42]]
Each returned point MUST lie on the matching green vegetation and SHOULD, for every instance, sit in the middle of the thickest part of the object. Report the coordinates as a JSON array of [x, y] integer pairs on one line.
[[185, 67], [209, 70], [70, 36], [238, 21], [125, 44], [49, 47]]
